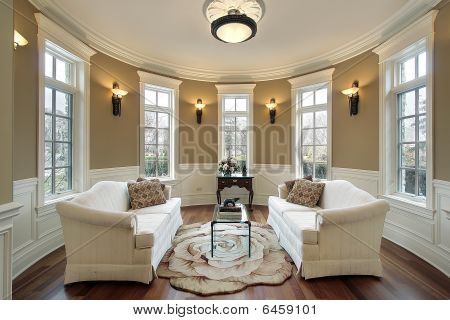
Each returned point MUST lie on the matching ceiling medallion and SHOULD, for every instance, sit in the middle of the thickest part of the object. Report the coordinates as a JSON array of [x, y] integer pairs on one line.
[[234, 21]]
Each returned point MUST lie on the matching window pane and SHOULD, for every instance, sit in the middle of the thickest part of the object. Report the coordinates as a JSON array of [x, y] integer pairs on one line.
[[150, 168], [408, 130], [163, 153], [163, 168], [241, 153], [48, 127], [62, 180], [321, 171], [163, 136], [321, 136], [321, 154], [230, 123], [150, 97], [307, 169], [163, 120], [241, 123], [408, 181], [307, 120], [308, 137], [241, 104], [422, 155], [408, 155], [150, 152], [48, 100], [48, 182], [321, 96], [422, 184], [408, 70], [307, 154], [62, 106], [423, 128], [150, 119], [229, 104], [48, 65], [163, 99], [48, 154], [321, 119], [422, 64], [62, 71], [230, 138], [307, 98], [230, 151], [241, 137], [408, 103], [62, 155], [423, 100], [62, 129], [150, 136]]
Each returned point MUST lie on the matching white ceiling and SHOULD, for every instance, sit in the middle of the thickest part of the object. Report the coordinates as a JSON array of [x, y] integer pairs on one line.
[[173, 36]]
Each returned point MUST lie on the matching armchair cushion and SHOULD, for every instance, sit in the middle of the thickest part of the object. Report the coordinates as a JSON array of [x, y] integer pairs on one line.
[[171, 207], [281, 206]]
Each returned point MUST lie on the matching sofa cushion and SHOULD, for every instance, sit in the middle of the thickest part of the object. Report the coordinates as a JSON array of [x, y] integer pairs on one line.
[[281, 206], [306, 193], [105, 196], [170, 207], [145, 194], [298, 222], [290, 184], [149, 228]]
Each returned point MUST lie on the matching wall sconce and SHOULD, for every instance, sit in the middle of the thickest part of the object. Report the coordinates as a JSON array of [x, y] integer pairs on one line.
[[117, 99], [353, 98], [199, 106], [272, 109], [19, 40]]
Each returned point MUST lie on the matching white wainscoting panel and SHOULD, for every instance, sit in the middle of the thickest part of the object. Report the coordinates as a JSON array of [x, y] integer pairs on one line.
[[113, 174], [364, 179], [37, 231]]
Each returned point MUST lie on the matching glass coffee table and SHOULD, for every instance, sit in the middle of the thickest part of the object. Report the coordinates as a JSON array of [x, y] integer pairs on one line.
[[226, 217]]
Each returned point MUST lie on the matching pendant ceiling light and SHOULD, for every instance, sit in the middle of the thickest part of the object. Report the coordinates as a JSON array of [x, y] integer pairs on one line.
[[234, 21]]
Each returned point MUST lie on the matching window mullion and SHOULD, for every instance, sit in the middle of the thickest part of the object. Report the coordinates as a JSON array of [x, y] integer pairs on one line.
[[53, 137], [417, 138]]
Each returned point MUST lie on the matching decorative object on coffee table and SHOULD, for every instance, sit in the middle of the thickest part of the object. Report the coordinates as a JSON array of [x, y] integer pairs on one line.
[[190, 266]]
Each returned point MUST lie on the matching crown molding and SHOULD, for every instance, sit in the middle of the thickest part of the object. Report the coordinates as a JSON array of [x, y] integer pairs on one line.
[[158, 80], [245, 88], [406, 15], [312, 78], [53, 32]]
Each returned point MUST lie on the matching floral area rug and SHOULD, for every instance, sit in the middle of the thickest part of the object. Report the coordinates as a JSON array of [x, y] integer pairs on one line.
[[190, 267]]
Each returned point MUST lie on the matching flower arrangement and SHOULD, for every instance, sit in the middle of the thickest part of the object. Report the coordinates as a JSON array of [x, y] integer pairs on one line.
[[229, 166]]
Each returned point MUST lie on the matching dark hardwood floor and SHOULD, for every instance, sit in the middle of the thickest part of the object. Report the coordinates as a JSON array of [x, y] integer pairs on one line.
[[405, 277]]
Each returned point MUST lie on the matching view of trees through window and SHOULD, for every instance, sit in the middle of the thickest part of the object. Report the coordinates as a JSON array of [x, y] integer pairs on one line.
[[235, 125]]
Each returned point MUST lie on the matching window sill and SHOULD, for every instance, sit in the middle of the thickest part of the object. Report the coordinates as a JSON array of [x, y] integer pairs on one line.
[[409, 205], [49, 206]]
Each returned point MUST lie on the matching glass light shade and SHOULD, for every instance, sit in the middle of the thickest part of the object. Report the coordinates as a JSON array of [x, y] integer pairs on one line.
[[271, 106], [119, 92], [234, 32], [19, 40], [200, 106], [351, 91]]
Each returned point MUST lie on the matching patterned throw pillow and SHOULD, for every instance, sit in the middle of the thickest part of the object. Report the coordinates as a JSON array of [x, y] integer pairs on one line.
[[163, 186], [145, 194], [306, 193], [290, 184]]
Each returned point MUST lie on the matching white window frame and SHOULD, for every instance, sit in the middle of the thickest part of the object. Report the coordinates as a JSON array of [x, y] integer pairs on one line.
[[235, 91], [51, 36], [414, 39], [312, 81], [173, 86]]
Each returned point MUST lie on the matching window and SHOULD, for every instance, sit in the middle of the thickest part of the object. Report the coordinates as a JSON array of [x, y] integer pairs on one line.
[[157, 132], [235, 125], [159, 122], [406, 114], [313, 131], [63, 113]]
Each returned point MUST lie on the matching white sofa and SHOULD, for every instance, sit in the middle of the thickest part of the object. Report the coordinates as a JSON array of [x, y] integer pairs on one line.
[[105, 240], [341, 236]]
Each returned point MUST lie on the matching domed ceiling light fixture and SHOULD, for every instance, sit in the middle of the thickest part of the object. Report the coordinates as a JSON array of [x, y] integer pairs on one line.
[[234, 21]]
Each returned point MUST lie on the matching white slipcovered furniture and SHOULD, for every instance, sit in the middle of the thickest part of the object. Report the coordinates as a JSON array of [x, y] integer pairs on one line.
[[341, 236], [105, 240]]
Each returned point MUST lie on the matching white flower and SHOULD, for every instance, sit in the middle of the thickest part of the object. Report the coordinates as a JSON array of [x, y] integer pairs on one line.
[[225, 166]]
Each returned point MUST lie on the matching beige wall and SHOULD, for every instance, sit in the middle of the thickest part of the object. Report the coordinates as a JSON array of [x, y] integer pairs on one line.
[[272, 142], [442, 95], [25, 93], [114, 140], [6, 105], [355, 139]]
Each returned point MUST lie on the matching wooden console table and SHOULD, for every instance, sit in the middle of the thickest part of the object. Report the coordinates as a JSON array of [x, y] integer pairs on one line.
[[235, 180]]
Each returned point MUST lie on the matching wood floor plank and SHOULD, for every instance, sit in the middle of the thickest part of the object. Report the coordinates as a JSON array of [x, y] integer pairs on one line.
[[406, 276]]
